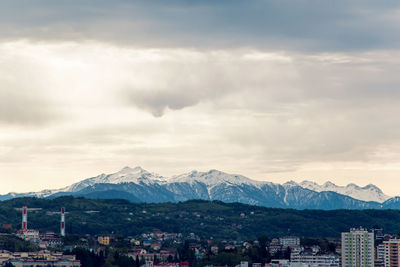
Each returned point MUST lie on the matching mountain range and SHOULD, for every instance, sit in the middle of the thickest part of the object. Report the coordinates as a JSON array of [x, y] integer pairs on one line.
[[139, 185]]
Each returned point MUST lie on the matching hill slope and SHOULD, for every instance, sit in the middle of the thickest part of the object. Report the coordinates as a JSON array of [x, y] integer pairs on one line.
[[204, 218]]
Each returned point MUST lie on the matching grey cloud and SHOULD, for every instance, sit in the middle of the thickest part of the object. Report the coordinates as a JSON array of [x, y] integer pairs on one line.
[[158, 102], [23, 99], [24, 108], [305, 25], [328, 112], [342, 83], [184, 83]]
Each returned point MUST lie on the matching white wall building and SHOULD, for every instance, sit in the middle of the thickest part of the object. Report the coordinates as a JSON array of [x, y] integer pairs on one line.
[[358, 248], [315, 260], [380, 255], [289, 241]]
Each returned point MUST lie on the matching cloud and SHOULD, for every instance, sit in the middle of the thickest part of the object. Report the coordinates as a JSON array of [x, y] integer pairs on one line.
[[22, 100], [290, 25], [249, 111], [20, 108]]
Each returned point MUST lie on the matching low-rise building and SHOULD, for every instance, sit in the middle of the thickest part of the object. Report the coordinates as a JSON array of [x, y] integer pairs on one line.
[[309, 258], [214, 249], [104, 240], [38, 258], [289, 241], [28, 234], [278, 263], [37, 263]]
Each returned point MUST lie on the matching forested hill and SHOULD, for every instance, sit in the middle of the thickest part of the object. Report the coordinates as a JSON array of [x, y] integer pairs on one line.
[[204, 218]]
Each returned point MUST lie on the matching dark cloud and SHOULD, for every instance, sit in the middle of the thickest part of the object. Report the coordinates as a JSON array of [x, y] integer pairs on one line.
[[304, 25]]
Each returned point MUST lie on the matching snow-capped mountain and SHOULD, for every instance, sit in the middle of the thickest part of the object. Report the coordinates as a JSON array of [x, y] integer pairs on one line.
[[213, 178], [367, 193], [135, 175], [139, 185]]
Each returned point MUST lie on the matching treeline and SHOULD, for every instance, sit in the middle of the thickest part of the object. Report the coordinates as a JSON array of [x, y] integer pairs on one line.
[[230, 221]]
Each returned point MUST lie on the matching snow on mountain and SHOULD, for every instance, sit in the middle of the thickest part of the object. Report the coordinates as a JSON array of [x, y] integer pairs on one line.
[[212, 178], [135, 175], [367, 193], [139, 185]]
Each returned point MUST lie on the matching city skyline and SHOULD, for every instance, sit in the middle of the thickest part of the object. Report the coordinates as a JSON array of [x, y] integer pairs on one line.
[[274, 91]]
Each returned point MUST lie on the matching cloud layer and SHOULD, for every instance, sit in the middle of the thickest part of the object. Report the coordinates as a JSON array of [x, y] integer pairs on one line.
[[273, 90], [296, 25]]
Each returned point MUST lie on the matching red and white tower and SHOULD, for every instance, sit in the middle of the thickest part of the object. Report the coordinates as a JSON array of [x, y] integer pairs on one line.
[[62, 224], [24, 218]]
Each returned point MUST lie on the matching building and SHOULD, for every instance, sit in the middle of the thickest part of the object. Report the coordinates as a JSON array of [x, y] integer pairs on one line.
[[392, 253], [311, 259], [172, 264], [289, 241], [380, 255], [278, 263], [37, 263], [103, 240], [142, 254], [28, 234], [358, 248], [214, 249], [6, 226], [274, 246], [38, 258], [378, 233]]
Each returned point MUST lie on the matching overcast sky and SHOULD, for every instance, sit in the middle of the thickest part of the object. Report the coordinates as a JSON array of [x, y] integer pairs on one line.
[[273, 90]]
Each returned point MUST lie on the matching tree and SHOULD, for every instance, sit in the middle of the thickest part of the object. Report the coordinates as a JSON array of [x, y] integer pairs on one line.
[[262, 250], [286, 253], [137, 262], [88, 259], [156, 260], [170, 258]]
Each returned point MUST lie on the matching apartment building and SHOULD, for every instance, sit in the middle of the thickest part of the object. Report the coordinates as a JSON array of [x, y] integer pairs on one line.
[[358, 248]]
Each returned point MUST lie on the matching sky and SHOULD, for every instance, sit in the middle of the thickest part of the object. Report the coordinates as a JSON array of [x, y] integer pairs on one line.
[[273, 90]]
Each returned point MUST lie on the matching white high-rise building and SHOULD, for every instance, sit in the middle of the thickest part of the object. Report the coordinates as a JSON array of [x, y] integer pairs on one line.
[[358, 248]]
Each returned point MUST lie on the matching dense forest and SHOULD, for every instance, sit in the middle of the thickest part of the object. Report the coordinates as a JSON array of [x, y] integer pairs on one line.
[[206, 219]]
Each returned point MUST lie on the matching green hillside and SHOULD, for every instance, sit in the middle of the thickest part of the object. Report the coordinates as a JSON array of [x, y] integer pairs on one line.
[[206, 219]]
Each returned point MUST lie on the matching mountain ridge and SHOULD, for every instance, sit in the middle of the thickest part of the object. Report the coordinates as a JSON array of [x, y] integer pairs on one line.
[[362, 193], [140, 185]]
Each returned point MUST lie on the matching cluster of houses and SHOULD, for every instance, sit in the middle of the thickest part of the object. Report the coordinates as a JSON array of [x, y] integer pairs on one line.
[[42, 240], [302, 256], [166, 255], [159, 249]]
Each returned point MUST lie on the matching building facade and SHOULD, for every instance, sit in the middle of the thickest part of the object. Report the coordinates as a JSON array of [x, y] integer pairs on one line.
[[358, 248], [289, 241], [392, 253], [315, 260]]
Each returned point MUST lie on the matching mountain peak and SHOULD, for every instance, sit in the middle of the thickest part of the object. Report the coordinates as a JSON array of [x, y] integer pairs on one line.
[[366, 193], [212, 177], [371, 186], [291, 183], [329, 184], [352, 185]]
